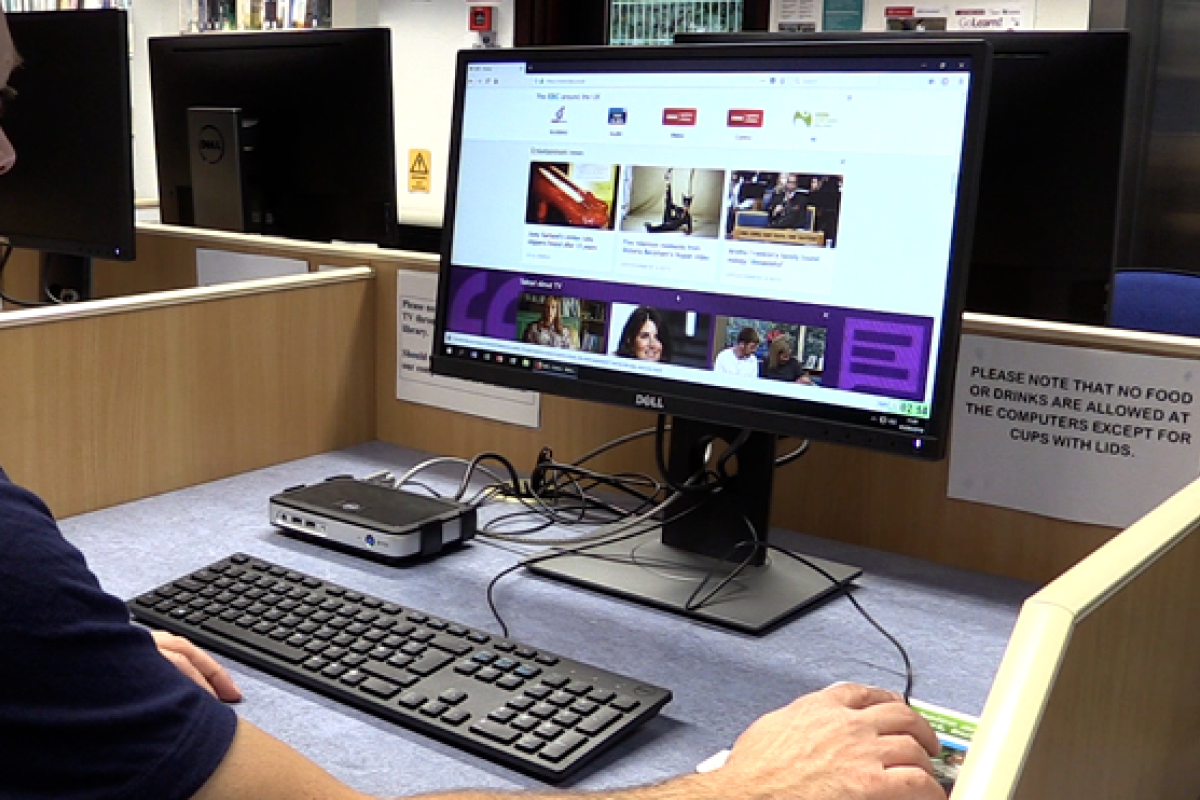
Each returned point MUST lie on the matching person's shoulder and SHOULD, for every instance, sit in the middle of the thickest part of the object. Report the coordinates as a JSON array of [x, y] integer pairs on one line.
[[19, 505]]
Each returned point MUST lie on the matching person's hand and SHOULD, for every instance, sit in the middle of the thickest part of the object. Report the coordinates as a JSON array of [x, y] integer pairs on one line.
[[847, 742], [197, 665]]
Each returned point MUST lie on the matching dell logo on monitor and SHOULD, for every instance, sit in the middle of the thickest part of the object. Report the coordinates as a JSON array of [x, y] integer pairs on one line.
[[648, 401], [212, 144]]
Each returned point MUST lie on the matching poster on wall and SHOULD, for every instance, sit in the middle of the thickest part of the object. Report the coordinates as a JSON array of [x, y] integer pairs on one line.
[[796, 15], [959, 17], [842, 15]]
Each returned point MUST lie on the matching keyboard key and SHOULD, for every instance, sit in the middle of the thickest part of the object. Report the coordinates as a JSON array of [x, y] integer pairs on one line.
[[429, 663], [379, 687], [502, 714], [452, 696], [625, 704], [529, 744], [433, 708], [411, 699], [388, 672], [292, 655], [567, 744], [456, 716], [495, 731], [598, 722]]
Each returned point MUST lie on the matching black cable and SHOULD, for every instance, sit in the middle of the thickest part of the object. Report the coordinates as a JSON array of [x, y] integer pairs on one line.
[[470, 470], [559, 552], [755, 546], [4, 256]]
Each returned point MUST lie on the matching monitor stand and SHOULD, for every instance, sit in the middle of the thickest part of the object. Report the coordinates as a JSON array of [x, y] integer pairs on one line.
[[68, 279], [704, 539]]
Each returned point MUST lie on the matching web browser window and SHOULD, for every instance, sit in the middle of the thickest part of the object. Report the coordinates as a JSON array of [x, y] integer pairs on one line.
[[808, 200]]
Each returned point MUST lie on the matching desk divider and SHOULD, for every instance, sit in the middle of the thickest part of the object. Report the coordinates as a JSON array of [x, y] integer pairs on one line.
[[114, 400], [108, 403], [1096, 696]]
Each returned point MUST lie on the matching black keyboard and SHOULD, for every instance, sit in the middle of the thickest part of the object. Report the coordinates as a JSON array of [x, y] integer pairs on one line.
[[530, 709]]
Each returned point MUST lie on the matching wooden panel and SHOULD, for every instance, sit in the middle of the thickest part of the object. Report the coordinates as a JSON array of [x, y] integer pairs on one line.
[[166, 260], [1095, 697], [101, 407], [1123, 717], [858, 496]]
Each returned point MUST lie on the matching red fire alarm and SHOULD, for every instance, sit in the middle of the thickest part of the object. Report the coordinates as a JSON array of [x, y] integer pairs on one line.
[[481, 18]]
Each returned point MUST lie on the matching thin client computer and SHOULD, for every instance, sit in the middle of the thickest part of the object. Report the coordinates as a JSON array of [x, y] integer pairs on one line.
[[1054, 197], [756, 244], [70, 193], [288, 133]]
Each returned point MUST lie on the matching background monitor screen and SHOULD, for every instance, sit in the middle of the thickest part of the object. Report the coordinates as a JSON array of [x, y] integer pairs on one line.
[[71, 189], [1052, 207], [298, 134], [772, 241]]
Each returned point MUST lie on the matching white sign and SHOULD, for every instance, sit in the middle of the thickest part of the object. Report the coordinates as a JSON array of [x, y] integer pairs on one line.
[[416, 304], [1070, 432]]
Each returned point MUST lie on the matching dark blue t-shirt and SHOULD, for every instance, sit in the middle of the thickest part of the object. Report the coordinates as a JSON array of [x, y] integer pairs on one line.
[[88, 707]]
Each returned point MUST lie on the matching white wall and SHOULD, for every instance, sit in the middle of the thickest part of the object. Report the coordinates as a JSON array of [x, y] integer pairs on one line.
[[426, 34]]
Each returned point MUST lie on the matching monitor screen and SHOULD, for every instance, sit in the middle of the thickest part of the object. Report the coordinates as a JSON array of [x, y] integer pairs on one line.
[[773, 241], [1053, 209], [71, 190], [288, 133]]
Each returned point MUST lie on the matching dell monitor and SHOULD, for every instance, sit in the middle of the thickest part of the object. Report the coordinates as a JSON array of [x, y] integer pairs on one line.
[[70, 193], [1052, 206], [653, 227], [288, 133]]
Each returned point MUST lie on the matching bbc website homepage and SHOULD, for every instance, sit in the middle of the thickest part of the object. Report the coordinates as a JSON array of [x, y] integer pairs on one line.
[[783, 233]]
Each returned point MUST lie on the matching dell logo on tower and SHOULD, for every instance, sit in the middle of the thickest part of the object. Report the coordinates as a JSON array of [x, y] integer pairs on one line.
[[648, 401], [212, 145]]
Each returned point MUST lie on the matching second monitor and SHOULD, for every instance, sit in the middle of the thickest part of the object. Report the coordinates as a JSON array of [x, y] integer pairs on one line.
[[282, 133], [1053, 207]]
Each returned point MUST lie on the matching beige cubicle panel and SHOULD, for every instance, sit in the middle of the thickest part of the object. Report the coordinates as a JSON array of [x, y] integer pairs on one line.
[[882, 501], [1095, 698], [114, 400], [877, 500]]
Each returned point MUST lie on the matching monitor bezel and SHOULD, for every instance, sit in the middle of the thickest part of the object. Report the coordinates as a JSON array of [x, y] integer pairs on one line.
[[713, 404], [118, 217]]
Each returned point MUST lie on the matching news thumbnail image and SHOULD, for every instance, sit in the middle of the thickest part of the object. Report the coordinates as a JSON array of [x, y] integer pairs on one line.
[[672, 201], [667, 336], [571, 195], [568, 323], [780, 351], [793, 208]]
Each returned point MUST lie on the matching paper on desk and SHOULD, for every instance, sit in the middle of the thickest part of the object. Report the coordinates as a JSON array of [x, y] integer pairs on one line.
[[416, 304], [1074, 433]]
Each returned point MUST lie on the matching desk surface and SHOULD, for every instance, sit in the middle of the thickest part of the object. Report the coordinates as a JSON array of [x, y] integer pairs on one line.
[[954, 624]]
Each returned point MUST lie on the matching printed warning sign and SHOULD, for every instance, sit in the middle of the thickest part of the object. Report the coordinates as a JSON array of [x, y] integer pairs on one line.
[[418, 171]]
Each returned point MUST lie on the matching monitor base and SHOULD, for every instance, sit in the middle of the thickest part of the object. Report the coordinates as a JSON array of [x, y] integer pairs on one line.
[[645, 570]]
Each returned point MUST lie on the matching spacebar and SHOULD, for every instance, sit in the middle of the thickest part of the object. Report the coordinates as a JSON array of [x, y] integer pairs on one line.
[[293, 655]]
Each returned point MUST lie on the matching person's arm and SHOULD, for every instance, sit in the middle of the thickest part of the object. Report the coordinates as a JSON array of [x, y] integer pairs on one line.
[[847, 742]]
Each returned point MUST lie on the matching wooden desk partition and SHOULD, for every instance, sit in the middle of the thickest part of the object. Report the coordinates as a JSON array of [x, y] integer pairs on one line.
[[114, 400], [859, 496], [1096, 697], [852, 495]]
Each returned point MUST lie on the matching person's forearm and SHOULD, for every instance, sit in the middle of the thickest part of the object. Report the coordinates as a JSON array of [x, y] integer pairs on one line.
[[688, 787]]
